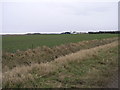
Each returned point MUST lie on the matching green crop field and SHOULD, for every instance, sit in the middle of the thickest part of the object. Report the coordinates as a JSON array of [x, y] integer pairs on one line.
[[23, 42]]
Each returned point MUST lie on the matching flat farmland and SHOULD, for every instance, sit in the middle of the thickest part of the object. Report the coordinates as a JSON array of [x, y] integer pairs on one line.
[[60, 61], [11, 43]]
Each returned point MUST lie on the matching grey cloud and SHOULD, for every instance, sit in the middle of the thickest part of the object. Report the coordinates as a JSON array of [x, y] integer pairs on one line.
[[88, 8], [57, 17]]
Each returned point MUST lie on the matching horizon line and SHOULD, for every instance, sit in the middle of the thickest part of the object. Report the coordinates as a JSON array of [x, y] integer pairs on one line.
[[55, 32]]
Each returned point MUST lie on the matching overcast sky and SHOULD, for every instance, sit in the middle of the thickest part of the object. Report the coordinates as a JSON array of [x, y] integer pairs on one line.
[[58, 16]]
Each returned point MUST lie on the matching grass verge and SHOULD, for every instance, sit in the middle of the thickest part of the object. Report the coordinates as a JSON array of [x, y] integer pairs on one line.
[[46, 54], [84, 69]]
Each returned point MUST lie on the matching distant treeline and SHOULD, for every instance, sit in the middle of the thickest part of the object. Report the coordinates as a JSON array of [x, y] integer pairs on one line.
[[105, 32], [100, 32], [66, 33]]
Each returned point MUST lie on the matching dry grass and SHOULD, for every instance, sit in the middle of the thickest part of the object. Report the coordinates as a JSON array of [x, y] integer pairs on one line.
[[83, 54], [24, 73], [45, 54]]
